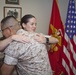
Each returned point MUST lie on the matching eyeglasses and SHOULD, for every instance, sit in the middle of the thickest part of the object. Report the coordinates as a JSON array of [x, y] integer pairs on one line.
[[5, 28], [9, 26]]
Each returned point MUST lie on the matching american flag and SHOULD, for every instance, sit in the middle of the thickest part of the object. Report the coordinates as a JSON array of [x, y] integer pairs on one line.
[[69, 45]]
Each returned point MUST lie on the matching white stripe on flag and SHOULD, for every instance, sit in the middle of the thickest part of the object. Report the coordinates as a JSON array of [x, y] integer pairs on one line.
[[68, 56], [65, 66]]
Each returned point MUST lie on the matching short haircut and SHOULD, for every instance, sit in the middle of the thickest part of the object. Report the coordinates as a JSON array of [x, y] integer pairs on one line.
[[4, 20], [7, 21]]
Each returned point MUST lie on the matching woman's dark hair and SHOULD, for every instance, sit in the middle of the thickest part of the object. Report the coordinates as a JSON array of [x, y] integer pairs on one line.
[[25, 19]]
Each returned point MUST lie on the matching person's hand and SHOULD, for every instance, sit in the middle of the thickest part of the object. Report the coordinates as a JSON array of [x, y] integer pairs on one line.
[[40, 38], [20, 38]]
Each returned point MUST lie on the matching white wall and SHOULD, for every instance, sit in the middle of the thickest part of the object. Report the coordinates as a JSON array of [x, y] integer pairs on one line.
[[39, 8]]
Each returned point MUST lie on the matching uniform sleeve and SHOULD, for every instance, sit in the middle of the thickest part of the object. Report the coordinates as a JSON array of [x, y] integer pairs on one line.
[[10, 60], [48, 36], [12, 53]]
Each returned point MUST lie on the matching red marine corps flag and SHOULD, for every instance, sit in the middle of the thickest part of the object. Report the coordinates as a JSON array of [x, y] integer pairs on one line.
[[56, 29]]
